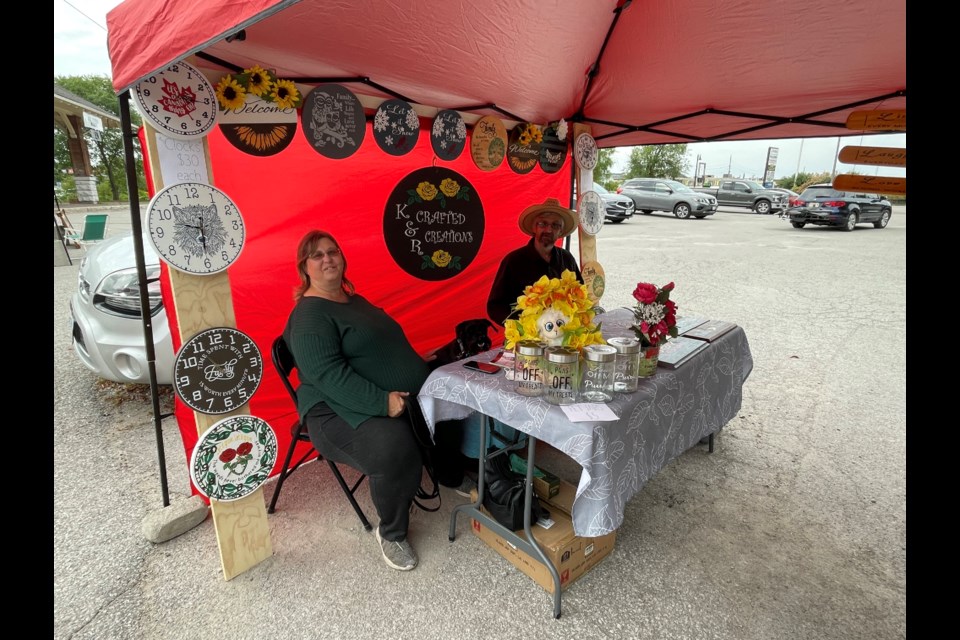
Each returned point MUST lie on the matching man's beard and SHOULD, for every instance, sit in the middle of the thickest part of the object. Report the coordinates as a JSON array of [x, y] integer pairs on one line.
[[545, 239]]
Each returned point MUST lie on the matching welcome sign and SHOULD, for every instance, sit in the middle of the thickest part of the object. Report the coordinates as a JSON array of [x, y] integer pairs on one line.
[[433, 223]]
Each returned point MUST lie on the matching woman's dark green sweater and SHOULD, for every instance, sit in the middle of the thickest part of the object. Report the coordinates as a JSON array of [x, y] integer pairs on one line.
[[350, 355]]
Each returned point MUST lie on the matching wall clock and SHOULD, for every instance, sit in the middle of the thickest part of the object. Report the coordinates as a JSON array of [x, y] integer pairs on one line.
[[585, 151], [218, 370], [233, 458], [590, 210], [195, 228], [178, 100]]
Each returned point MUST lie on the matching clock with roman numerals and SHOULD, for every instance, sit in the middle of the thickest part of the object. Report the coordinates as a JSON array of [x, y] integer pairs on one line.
[[218, 370]]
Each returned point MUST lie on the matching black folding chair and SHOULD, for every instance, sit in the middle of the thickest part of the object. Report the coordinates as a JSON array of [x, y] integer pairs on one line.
[[285, 365]]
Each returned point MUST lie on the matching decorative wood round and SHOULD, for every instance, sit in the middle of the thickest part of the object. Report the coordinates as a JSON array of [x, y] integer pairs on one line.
[[233, 458], [585, 151], [178, 100], [590, 210], [195, 228], [594, 279], [448, 135], [488, 143], [333, 121], [396, 127], [218, 370]]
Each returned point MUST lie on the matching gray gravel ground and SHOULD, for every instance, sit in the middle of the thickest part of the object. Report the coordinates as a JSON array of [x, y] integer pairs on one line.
[[795, 527]]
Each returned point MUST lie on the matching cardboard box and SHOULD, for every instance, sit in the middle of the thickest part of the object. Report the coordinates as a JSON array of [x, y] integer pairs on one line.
[[544, 483], [571, 554]]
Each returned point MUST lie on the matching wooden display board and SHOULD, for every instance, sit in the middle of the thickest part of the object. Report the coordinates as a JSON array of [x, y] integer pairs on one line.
[[584, 178], [878, 120], [202, 302]]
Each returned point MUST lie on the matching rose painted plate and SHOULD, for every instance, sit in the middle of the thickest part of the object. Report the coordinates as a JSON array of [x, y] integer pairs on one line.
[[233, 458]]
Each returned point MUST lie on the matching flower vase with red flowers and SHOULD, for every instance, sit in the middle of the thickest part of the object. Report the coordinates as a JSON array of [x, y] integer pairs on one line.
[[655, 320]]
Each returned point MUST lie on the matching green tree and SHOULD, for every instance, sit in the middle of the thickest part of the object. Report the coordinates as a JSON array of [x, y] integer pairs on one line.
[[801, 180], [601, 172], [658, 161], [106, 150]]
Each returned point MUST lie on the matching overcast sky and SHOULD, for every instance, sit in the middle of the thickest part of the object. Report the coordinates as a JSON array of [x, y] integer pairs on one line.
[[80, 48]]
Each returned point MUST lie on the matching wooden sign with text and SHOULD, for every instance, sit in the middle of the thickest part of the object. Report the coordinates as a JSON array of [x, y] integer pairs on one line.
[[879, 156], [870, 184], [879, 120]]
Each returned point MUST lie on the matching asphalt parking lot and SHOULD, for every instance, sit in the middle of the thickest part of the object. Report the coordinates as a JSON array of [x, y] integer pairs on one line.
[[794, 528]]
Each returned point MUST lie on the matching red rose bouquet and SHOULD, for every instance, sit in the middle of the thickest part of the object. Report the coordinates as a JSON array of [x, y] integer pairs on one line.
[[655, 314]]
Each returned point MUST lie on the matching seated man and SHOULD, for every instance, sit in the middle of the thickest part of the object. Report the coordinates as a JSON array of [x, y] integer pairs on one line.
[[545, 224]]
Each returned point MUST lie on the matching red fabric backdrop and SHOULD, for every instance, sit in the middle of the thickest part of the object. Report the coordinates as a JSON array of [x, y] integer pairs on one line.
[[283, 196]]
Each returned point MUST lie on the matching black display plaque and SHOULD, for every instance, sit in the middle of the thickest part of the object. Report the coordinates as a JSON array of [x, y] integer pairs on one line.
[[433, 223]]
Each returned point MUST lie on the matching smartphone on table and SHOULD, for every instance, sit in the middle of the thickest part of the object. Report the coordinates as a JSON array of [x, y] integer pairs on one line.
[[484, 367]]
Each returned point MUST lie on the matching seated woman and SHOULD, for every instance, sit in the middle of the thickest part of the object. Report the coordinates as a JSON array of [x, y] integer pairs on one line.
[[356, 367]]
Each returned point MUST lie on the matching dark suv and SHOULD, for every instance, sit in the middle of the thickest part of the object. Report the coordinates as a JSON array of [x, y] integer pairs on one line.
[[821, 204]]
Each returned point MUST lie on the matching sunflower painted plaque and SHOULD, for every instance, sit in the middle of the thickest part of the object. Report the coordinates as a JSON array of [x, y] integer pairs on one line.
[[433, 223], [259, 127], [333, 121], [396, 127], [448, 135], [233, 458], [488, 143], [523, 148]]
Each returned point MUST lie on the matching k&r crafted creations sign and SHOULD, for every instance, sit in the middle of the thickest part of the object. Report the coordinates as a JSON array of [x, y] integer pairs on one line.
[[433, 223]]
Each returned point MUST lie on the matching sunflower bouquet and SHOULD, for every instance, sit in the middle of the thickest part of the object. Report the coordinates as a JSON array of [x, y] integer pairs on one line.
[[556, 311]]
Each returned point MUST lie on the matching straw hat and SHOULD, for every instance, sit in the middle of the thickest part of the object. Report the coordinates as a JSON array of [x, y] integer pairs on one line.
[[550, 205]]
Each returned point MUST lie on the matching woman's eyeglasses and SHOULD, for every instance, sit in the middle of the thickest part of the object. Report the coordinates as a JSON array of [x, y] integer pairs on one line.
[[543, 224], [318, 254]]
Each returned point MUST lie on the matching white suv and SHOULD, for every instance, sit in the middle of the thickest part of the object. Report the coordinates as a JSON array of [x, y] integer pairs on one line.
[[105, 311]]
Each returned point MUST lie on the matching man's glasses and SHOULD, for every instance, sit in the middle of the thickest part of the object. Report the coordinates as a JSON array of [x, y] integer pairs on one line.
[[318, 254], [543, 224]]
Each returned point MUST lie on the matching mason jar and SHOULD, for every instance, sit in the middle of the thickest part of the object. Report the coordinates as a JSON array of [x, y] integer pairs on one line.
[[528, 367], [562, 375], [627, 365], [596, 380]]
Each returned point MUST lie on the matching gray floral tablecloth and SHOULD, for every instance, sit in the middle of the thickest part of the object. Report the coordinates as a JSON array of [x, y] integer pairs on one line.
[[669, 413]]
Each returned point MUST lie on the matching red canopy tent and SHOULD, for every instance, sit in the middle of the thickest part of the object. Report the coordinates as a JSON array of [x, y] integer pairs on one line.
[[637, 73]]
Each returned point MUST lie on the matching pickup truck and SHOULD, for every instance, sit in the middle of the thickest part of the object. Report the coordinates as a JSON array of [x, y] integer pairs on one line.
[[748, 194]]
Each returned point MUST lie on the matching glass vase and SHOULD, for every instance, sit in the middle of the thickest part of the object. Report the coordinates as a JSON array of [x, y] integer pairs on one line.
[[649, 356]]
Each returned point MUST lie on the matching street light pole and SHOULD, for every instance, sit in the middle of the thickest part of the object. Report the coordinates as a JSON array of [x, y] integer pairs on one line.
[[833, 173], [799, 155]]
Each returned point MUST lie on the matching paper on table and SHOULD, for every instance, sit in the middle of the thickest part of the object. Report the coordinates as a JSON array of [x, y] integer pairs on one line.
[[589, 412]]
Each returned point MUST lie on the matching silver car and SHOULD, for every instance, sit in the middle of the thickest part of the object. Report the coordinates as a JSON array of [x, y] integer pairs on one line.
[[660, 194], [105, 314]]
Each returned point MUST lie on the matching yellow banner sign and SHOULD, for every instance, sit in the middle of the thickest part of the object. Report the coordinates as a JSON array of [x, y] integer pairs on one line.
[[879, 120], [870, 184], [879, 156]]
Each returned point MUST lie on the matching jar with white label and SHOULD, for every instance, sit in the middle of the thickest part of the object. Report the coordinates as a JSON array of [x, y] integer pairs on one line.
[[563, 372], [626, 368], [528, 367], [596, 380]]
